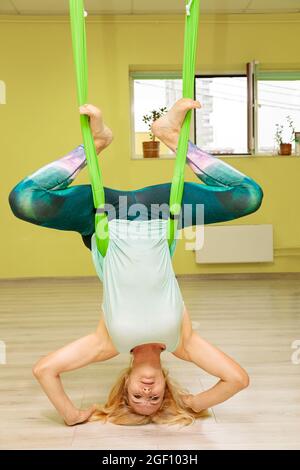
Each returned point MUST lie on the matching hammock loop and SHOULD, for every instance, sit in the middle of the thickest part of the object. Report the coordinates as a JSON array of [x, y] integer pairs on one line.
[[188, 8], [188, 76], [77, 16]]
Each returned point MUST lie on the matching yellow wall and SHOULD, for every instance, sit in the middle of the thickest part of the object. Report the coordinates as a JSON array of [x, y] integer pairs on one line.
[[40, 122]]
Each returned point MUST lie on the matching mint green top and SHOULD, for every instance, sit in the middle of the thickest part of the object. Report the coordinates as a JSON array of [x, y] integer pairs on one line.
[[142, 302]]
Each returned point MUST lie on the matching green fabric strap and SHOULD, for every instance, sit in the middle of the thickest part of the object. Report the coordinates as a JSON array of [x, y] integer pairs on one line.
[[189, 65], [80, 58]]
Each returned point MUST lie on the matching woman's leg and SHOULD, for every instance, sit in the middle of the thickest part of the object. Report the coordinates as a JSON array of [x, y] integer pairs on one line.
[[45, 198], [227, 193]]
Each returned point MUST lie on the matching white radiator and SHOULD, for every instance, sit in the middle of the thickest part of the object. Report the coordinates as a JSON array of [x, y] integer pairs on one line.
[[236, 244]]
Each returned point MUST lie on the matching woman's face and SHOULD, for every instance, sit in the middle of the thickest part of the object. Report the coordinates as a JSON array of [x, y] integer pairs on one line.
[[146, 389]]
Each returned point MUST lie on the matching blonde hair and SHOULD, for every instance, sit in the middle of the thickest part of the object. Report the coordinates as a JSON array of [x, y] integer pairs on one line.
[[172, 411]]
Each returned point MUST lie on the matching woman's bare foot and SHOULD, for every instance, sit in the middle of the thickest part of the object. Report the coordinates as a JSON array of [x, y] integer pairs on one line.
[[103, 136], [167, 128]]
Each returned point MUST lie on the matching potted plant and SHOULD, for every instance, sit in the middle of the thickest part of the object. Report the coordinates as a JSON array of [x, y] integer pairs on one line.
[[151, 148], [285, 148]]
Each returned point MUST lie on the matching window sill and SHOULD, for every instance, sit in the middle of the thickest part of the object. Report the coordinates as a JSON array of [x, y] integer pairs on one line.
[[161, 157], [259, 155], [172, 157]]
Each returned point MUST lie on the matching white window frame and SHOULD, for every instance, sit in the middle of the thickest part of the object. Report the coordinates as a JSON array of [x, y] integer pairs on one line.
[[220, 75], [259, 74], [253, 74]]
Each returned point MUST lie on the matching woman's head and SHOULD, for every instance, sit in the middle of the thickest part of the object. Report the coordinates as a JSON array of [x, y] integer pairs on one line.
[[145, 389], [169, 408]]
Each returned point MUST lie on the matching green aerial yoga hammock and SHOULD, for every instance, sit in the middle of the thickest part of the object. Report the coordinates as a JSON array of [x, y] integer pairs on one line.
[[80, 57], [77, 14], [189, 65]]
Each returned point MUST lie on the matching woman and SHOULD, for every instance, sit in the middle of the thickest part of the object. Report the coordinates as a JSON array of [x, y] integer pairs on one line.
[[133, 321]]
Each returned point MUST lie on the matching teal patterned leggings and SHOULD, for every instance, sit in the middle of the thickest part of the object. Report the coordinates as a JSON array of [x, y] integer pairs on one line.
[[45, 198]]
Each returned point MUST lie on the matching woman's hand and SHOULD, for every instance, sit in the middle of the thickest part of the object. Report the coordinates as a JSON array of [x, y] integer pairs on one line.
[[191, 402], [80, 416]]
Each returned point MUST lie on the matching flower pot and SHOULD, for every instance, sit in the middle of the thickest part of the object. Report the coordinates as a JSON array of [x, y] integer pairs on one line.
[[151, 149], [285, 149]]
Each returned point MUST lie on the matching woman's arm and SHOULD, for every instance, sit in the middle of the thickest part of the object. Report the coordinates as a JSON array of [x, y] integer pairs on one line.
[[95, 347], [232, 377]]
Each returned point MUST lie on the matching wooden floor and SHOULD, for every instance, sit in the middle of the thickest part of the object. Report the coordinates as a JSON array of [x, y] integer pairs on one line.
[[255, 321]]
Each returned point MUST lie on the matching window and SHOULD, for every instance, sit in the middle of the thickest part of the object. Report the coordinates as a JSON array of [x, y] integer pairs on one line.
[[148, 94], [277, 99], [239, 112], [221, 126]]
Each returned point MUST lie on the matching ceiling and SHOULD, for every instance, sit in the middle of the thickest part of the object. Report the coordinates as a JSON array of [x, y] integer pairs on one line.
[[136, 7]]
